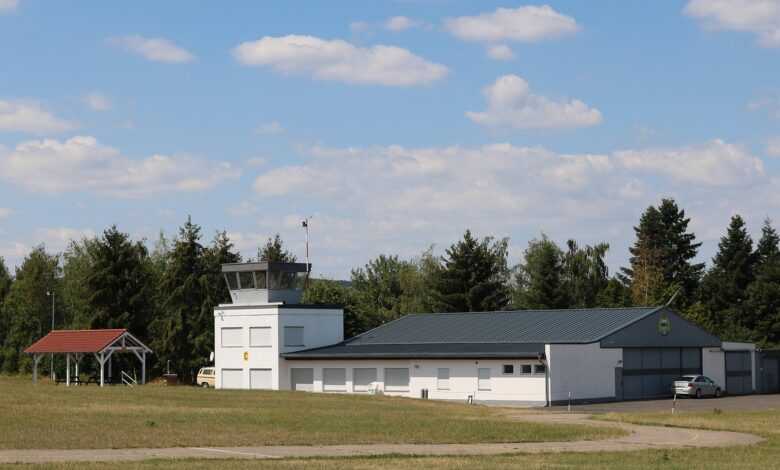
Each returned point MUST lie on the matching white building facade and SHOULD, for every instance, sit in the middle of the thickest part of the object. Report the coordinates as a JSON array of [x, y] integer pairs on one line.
[[266, 340]]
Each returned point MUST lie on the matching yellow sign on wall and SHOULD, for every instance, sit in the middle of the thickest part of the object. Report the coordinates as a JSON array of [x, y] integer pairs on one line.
[[246, 355]]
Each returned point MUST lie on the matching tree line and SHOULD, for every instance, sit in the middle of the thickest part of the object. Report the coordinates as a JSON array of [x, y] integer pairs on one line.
[[166, 295]]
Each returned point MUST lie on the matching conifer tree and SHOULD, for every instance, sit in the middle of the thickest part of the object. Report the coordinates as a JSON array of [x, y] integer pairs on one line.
[[762, 311], [274, 252], [539, 282], [474, 276], [119, 283], [585, 273]]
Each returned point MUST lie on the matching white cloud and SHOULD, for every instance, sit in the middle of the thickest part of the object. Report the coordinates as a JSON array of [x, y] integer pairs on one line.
[[257, 161], [524, 24], [8, 5], [768, 103], [715, 163], [773, 147], [5, 212], [760, 17], [30, 117], [83, 164], [359, 26], [269, 128], [154, 49], [395, 199], [57, 239], [500, 52], [510, 103], [400, 23], [340, 61], [97, 101]]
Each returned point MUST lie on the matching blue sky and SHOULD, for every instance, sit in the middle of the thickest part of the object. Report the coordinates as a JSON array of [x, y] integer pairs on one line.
[[396, 125]]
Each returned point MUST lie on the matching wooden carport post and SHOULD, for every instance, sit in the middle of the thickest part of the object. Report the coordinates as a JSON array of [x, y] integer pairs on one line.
[[36, 359], [67, 369]]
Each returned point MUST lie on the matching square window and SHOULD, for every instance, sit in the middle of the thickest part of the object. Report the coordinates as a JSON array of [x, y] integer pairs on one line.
[[396, 380], [508, 369], [526, 369], [540, 369]]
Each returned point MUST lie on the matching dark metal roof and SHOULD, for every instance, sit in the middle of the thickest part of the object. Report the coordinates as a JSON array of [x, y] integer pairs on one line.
[[419, 351], [482, 334], [266, 266]]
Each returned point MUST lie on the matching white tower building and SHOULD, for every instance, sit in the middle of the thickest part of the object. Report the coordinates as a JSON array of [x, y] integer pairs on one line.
[[265, 320]]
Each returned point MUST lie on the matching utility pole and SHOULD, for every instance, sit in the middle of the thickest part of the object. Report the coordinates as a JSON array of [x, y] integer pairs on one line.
[[51, 355]]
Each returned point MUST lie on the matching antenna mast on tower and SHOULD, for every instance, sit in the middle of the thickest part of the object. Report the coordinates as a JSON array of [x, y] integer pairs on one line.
[[305, 225]]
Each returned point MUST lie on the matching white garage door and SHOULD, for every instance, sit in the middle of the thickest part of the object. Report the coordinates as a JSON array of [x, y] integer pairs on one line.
[[231, 378], [302, 379], [260, 379]]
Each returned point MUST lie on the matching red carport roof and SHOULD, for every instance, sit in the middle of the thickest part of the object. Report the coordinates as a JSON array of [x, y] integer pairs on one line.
[[75, 341]]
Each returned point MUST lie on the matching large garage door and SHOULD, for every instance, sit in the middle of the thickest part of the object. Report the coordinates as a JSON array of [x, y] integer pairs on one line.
[[649, 372], [739, 380], [302, 379]]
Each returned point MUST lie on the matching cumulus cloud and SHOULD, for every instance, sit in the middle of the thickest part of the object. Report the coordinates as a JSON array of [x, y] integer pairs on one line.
[[97, 101], [400, 23], [759, 17], [500, 52], [58, 238], [8, 5], [339, 60], [5, 212], [269, 128], [773, 147], [714, 163], [84, 164], [524, 24], [154, 49], [511, 104], [399, 199], [31, 118]]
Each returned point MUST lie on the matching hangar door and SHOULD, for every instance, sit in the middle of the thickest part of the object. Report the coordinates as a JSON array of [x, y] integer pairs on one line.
[[739, 379], [649, 372]]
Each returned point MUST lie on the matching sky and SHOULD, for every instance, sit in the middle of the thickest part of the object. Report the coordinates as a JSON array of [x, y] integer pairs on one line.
[[395, 126]]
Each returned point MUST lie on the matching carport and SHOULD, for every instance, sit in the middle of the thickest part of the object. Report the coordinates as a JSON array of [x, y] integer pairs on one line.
[[77, 343]]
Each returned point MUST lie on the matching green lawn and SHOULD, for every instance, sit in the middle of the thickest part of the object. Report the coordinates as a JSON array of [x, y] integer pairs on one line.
[[763, 456], [56, 417]]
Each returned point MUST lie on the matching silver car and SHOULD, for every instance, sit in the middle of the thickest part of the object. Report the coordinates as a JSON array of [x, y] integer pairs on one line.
[[695, 386]]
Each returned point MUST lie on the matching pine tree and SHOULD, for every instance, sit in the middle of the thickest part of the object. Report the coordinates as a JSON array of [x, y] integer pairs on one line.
[[182, 299], [762, 311], [5, 286], [78, 265], [27, 308], [724, 289], [120, 284], [474, 276], [661, 257], [215, 291], [539, 282], [274, 252]]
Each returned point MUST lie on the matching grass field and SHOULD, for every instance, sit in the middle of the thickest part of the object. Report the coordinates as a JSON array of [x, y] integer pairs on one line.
[[56, 417], [763, 456]]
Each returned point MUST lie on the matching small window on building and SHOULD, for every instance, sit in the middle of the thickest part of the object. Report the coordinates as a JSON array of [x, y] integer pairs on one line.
[[260, 379], [247, 279], [508, 369], [540, 369], [260, 337], [231, 337], [363, 379], [232, 280], [397, 380], [334, 380], [526, 369], [442, 379], [483, 379], [293, 336]]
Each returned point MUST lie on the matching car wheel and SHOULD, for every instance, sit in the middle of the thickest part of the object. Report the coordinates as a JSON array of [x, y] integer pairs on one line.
[[205, 385], [717, 393], [698, 393]]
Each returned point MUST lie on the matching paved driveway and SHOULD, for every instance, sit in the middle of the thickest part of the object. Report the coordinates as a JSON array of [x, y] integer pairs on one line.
[[741, 403]]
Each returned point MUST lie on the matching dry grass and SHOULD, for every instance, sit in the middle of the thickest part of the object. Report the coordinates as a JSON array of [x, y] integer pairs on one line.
[[56, 417]]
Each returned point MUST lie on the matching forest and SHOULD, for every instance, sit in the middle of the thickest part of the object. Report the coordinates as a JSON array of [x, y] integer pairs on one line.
[[165, 292]]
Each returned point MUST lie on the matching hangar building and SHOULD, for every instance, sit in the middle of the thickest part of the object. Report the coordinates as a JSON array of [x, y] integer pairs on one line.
[[265, 339]]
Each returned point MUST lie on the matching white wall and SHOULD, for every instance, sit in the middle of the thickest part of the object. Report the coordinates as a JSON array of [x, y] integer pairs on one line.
[[321, 327], [423, 375], [713, 365], [586, 370]]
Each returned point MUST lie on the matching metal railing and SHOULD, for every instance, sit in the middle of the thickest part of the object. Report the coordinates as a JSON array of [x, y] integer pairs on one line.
[[128, 379]]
